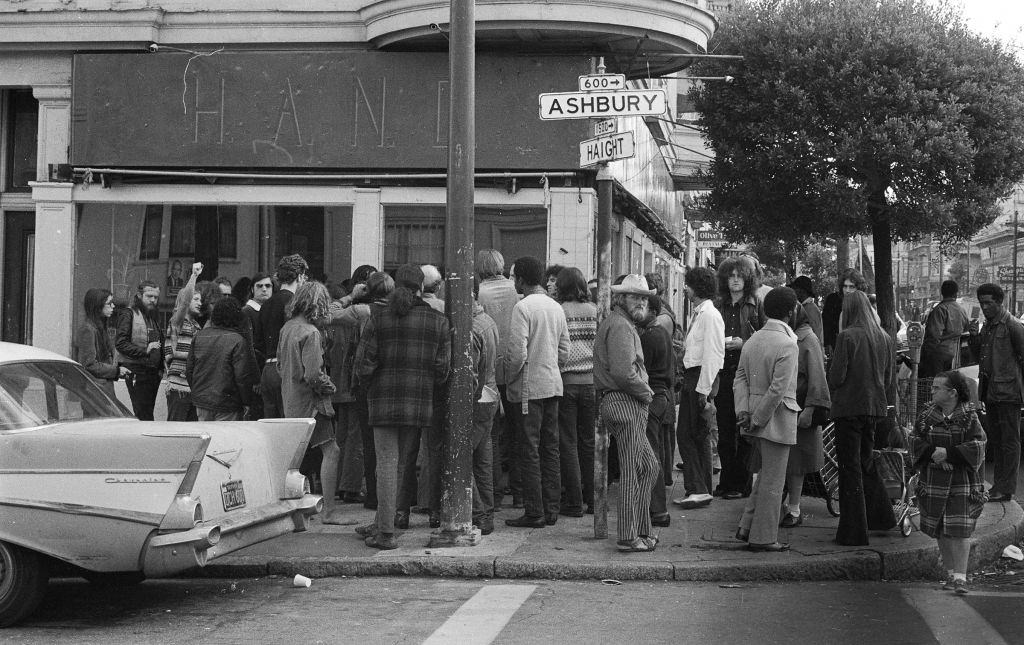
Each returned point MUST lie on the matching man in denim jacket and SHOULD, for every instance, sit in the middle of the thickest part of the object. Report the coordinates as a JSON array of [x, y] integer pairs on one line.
[[1000, 384]]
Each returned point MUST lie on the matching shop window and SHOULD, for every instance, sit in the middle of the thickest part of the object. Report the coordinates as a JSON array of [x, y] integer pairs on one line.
[[413, 235], [152, 228], [300, 229], [203, 230], [21, 140], [416, 234]]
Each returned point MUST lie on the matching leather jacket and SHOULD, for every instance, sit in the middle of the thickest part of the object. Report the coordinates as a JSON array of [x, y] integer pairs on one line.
[[1001, 363]]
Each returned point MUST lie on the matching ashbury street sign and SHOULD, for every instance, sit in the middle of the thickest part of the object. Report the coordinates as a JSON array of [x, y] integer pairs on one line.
[[582, 105], [607, 148]]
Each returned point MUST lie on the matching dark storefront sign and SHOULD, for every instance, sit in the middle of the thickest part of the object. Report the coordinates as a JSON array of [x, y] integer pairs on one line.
[[345, 110]]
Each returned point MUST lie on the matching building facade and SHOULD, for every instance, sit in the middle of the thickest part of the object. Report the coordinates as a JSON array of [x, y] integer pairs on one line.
[[141, 136]]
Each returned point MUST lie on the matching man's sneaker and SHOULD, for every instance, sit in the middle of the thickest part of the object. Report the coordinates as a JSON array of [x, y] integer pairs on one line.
[[382, 541], [960, 587], [366, 530], [636, 545], [947, 584]]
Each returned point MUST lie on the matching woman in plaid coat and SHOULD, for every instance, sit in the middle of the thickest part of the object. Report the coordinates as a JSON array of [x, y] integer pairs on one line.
[[401, 360], [948, 446]]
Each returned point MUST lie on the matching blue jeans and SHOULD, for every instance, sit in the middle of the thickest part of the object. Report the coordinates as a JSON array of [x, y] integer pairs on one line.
[[396, 448], [1003, 428], [179, 405], [539, 463], [483, 460], [576, 415], [270, 392]]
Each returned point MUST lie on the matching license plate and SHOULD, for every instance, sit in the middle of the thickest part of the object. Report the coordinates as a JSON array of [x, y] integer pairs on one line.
[[233, 494]]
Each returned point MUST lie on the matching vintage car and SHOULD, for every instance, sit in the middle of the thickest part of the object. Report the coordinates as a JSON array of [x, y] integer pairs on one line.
[[83, 482]]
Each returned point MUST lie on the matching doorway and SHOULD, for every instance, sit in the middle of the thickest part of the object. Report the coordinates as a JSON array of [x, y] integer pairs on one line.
[[18, 272]]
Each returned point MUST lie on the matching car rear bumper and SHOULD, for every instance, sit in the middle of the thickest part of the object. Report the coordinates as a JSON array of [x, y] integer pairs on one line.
[[171, 553]]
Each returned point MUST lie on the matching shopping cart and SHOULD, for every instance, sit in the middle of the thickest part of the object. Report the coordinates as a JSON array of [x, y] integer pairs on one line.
[[900, 482], [825, 483]]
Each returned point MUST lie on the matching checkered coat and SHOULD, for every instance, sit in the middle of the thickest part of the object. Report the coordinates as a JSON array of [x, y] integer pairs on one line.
[[401, 360], [943, 495]]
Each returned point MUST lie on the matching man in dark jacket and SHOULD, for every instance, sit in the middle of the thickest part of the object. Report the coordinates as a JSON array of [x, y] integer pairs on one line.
[[220, 368], [139, 342], [1000, 382], [660, 363], [946, 322]]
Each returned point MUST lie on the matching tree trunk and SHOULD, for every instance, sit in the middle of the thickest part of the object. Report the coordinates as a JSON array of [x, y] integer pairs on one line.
[[842, 254], [883, 275]]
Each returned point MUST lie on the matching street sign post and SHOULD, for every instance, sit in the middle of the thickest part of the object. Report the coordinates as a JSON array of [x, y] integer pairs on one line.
[[582, 105], [602, 82], [607, 148]]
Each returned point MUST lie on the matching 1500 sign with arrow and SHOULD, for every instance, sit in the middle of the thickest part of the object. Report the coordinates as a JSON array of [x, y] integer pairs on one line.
[[581, 105]]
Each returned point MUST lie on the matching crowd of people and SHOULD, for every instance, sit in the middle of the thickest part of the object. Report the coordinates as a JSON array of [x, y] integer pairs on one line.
[[741, 388]]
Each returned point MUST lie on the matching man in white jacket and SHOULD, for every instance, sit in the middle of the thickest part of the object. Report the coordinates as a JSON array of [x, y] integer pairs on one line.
[[538, 345]]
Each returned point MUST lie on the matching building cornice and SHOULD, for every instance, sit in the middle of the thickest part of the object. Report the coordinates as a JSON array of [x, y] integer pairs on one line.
[[647, 36]]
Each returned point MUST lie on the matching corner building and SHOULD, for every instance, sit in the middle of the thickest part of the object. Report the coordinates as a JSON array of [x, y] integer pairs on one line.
[[140, 136]]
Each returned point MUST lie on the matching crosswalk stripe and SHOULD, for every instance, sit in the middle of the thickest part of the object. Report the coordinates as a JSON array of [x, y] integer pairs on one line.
[[951, 620], [481, 618]]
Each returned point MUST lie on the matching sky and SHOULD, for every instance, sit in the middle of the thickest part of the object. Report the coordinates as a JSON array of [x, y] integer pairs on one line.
[[1003, 19]]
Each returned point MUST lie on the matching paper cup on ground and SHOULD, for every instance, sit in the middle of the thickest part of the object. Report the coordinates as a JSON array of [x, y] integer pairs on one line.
[[301, 581]]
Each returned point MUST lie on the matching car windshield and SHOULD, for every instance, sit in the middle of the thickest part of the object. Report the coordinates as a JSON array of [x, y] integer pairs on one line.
[[37, 393]]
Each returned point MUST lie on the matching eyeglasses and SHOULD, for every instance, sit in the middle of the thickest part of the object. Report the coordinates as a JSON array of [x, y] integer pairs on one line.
[[936, 388]]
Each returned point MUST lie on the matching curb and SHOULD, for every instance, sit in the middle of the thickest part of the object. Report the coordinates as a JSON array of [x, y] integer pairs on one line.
[[887, 563]]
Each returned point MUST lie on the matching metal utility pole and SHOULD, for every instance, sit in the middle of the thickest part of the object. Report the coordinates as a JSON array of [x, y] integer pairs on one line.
[[457, 453], [604, 297]]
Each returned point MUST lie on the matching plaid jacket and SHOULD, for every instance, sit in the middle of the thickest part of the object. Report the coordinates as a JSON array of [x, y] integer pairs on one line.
[[943, 495], [401, 361]]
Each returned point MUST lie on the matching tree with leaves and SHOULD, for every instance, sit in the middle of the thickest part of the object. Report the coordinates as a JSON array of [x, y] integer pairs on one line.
[[848, 117]]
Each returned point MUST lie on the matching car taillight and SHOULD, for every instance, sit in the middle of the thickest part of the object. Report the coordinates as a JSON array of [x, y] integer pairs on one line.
[[296, 485]]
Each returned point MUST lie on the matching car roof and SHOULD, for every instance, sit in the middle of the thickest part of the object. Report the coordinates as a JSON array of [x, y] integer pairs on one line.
[[10, 352]]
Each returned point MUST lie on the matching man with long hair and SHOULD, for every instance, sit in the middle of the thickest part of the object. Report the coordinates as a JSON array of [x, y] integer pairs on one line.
[[742, 314], [402, 359], [306, 388], [139, 342]]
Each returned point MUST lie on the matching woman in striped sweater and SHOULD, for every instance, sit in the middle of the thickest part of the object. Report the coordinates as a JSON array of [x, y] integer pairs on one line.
[[577, 409], [182, 327]]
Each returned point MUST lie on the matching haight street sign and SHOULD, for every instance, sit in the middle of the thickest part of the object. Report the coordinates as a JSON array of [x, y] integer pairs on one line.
[[583, 105], [607, 148]]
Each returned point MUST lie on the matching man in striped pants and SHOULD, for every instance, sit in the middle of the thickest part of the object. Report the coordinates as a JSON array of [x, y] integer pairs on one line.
[[621, 383]]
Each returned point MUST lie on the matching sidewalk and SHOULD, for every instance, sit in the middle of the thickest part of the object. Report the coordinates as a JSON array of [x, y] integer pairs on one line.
[[700, 545]]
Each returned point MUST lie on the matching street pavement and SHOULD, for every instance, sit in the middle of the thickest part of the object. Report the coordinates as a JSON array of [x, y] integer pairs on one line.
[[698, 546], [434, 611]]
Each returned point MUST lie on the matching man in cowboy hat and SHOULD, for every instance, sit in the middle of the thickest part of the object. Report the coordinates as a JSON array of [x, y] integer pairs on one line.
[[621, 383]]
